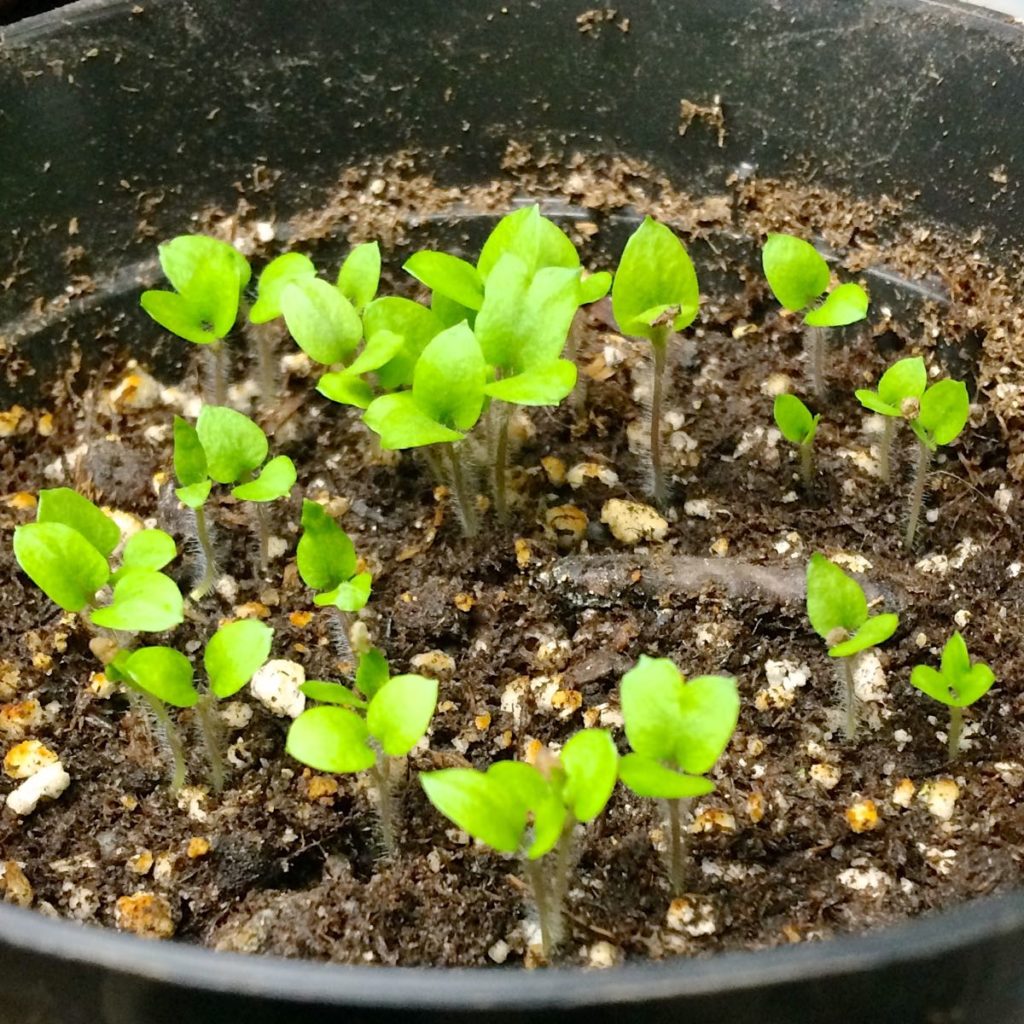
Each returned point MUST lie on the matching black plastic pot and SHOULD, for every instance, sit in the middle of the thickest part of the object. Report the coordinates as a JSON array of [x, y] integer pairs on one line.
[[107, 106]]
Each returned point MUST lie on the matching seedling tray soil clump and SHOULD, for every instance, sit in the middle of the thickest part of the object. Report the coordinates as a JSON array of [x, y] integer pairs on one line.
[[512, 604]]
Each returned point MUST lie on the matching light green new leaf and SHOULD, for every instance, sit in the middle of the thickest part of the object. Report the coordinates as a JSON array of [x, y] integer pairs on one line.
[[189, 457], [543, 385], [185, 257], [326, 555], [359, 275], [945, 408], [235, 653], [959, 683], [478, 804], [536, 240], [448, 275], [870, 400], [68, 507], [331, 739], [332, 693], [448, 382], [276, 480], [147, 549], [594, 287], [195, 495], [400, 423], [233, 444], [345, 388], [655, 274], [591, 765], [647, 777], [416, 325], [906, 378], [834, 600], [710, 711], [161, 671], [794, 419], [797, 273], [144, 602], [349, 596], [324, 324], [372, 672], [449, 312], [174, 313], [525, 784], [875, 631], [276, 276], [379, 349], [845, 304], [61, 563], [400, 712]]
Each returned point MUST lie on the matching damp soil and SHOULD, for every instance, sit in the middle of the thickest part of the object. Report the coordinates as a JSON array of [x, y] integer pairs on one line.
[[530, 628]]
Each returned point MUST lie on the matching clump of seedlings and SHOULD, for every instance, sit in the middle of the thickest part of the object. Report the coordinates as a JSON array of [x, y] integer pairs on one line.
[[654, 295], [66, 553], [798, 426], [898, 397], [365, 728], [532, 810], [838, 610], [957, 683], [208, 277], [798, 277], [677, 730], [226, 447]]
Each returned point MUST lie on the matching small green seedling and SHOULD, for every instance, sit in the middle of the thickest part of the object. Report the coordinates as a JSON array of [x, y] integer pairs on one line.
[[327, 562], [957, 684], [446, 400], [365, 728], [944, 410], [66, 553], [798, 277], [838, 611], [208, 277], [498, 806], [233, 655], [799, 427], [898, 398], [226, 447], [160, 676], [677, 731], [655, 294]]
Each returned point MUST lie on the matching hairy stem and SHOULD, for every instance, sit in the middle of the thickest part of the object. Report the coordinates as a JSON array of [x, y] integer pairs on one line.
[[578, 397], [850, 703], [171, 735], [659, 344], [807, 465], [956, 728], [924, 462], [676, 846], [263, 335], [463, 499], [263, 531], [501, 461], [380, 773], [563, 860], [549, 911], [885, 450], [434, 464], [815, 347], [205, 585], [206, 715], [217, 370]]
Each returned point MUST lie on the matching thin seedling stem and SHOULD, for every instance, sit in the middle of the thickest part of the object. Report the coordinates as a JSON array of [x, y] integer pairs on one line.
[[924, 461], [217, 369], [676, 846], [549, 913], [463, 499], [204, 586], [501, 461], [263, 529], [380, 773], [850, 703], [956, 728], [171, 736], [206, 714], [578, 397], [263, 335], [885, 450], [807, 465], [815, 343], [659, 343]]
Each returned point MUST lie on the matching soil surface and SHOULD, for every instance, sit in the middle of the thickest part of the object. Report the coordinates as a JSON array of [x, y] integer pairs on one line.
[[529, 630]]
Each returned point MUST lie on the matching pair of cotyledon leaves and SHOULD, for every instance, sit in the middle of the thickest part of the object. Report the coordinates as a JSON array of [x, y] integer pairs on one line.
[[227, 447], [676, 729], [231, 658], [798, 276], [208, 277], [956, 683], [392, 711], [837, 602], [66, 553], [942, 410], [326, 559], [797, 423]]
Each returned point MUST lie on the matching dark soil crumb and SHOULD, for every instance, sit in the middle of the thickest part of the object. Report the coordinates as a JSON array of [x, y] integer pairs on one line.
[[530, 630]]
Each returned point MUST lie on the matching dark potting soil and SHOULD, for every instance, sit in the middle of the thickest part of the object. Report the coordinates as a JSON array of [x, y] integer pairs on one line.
[[529, 629]]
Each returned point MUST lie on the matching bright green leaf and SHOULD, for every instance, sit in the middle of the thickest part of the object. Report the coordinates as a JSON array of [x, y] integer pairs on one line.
[[61, 562], [161, 671], [875, 631], [144, 602], [326, 555], [594, 287], [533, 238], [276, 480], [195, 495], [449, 275], [448, 382], [235, 653], [844, 305], [332, 693], [345, 388], [324, 324], [794, 419], [591, 765], [477, 804], [148, 549], [349, 596], [906, 378], [543, 385], [331, 739], [68, 507], [834, 600], [648, 777], [359, 275], [796, 272], [189, 457], [276, 276], [945, 408], [414, 324], [233, 444], [400, 712], [372, 672]]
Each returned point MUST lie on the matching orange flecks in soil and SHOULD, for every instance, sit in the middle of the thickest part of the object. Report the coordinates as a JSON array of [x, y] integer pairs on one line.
[[26, 758], [483, 722], [18, 718], [863, 816], [14, 886], [300, 619], [198, 846], [252, 610], [21, 500], [523, 552], [464, 602], [755, 806], [141, 863], [555, 469], [321, 786], [145, 914]]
